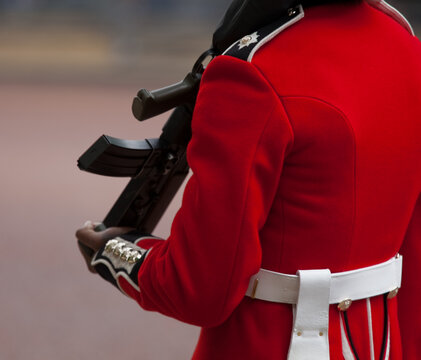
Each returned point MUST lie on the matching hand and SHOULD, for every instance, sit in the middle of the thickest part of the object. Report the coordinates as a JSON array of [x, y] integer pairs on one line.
[[95, 240]]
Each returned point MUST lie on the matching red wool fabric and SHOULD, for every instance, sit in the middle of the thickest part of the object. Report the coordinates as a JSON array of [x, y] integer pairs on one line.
[[308, 157]]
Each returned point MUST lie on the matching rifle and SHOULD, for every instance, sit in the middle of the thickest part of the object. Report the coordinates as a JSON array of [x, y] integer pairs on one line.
[[157, 167]]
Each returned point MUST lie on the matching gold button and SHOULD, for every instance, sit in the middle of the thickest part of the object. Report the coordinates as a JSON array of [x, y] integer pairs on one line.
[[321, 333], [299, 333], [135, 256], [118, 250], [393, 293], [125, 255], [345, 305], [110, 246]]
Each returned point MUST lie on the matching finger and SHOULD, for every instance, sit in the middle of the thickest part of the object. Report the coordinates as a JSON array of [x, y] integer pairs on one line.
[[87, 226], [89, 238], [96, 239], [112, 232]]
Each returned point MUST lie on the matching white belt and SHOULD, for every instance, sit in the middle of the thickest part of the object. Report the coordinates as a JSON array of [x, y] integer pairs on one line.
[[312, 291]]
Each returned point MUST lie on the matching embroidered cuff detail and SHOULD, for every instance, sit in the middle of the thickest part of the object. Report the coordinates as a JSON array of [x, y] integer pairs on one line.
[[119, 250], [118, 259]]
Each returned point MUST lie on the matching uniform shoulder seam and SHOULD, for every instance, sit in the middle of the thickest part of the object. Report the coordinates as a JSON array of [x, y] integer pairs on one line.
[[279, 98]]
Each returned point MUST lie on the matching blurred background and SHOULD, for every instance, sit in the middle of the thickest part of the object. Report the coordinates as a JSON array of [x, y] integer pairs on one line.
[[68, 72]]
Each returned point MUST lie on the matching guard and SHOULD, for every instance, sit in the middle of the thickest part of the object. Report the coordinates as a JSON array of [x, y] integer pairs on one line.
[[302, 219]]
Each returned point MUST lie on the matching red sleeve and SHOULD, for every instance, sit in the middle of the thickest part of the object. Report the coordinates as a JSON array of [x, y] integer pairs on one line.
[[240, 137], [410, 293]]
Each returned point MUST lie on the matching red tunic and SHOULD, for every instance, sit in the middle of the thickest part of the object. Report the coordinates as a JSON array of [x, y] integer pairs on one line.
[[307, 156]]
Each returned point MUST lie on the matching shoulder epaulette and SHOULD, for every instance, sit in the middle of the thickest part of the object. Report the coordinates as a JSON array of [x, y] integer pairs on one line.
[[246, 47]]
